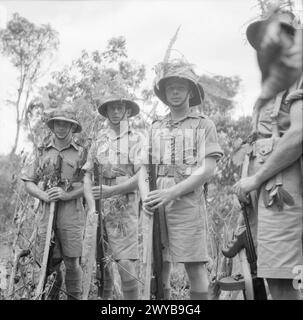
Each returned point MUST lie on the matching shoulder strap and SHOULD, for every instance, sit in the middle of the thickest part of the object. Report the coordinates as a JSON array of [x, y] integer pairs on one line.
[[275, 113]]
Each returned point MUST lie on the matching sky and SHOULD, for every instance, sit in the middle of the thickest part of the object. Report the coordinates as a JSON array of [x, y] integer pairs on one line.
[[212, 37]]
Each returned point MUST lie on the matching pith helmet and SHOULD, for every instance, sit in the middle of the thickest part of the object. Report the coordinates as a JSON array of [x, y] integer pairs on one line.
[[254, 31], [64, 113], [102, 105], [183, 71]]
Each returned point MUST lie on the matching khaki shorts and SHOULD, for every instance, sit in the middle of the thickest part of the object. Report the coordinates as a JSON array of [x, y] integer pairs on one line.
[[68, 242], [280, 232], [122, 229], [183, 226]]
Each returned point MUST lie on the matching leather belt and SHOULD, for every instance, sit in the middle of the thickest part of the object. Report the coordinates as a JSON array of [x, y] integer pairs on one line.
[[109, 181], [165, 170]]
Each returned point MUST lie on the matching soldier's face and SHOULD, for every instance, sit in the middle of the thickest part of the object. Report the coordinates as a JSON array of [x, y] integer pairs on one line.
[[177, 91], [62, 129], [116, 112]]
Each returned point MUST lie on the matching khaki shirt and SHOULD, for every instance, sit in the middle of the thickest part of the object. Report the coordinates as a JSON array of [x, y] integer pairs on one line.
[[70, 213], [264, 125], [184, 143], [120, 155]]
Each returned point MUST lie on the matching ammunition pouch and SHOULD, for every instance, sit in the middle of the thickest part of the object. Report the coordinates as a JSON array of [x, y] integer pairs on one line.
[[272, 191], [262, 148]]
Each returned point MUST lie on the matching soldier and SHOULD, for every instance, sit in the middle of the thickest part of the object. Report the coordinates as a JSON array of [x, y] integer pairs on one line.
[[115, 151], [275, 164], [70, 212], [186, 149]]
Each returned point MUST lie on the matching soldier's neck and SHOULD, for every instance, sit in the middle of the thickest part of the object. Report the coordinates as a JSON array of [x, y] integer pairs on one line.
[[120, 128], [62, 143], [179, 113]]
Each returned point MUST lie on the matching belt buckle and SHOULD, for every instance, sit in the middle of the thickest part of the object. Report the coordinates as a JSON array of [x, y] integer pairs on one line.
[[161, 170]]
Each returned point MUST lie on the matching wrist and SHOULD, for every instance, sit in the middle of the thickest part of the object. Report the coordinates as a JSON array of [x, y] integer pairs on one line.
[[112, 191], [174, 192], [259, 178], [44, 196], [67, 196]]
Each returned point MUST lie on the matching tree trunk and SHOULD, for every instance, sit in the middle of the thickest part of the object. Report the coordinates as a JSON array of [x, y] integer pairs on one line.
[[13, 151], [18, 120]]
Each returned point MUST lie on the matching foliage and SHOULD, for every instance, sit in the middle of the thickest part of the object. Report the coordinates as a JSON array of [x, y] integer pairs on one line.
[[88, 79], [27, 46]]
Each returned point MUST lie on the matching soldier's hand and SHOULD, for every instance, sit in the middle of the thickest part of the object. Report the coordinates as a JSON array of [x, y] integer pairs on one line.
[[57, 193], [96, 192], [147, 209], [158, 198], [244, 186], [44, 197], [106, 192]]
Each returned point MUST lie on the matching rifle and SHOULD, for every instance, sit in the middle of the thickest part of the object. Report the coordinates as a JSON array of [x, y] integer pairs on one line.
[[258, 283], [156, 282], [244, 240], [101, 236], [50, 241]]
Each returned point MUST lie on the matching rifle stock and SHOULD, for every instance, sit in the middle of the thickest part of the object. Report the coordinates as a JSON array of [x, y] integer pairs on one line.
[[156, 281], [100, 246], [258, 283], [50, 234]]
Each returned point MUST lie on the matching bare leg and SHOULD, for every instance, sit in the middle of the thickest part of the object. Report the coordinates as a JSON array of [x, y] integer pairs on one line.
[[73, 278], [197, 274], [128, 274], [282, 289]]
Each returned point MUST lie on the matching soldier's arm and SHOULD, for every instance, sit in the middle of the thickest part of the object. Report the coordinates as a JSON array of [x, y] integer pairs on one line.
[[196, 179], [32, 189], [160, 197], [88, 190], [128, 186], [288, 149]]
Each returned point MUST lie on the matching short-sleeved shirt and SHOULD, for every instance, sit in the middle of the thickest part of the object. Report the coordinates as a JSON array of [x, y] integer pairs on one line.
[[120, 158], [183, 145], [120, 155], [279, 231], [70, 213], [184, 142], [264, 125]]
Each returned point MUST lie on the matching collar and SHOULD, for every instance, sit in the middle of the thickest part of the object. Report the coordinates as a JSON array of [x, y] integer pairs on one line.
[[112, 135], [190, 114], [51, 144]]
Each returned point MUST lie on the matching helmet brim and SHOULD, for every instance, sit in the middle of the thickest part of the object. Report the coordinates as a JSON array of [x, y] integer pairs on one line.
[[253, 32], [50, 123], [197, 91], [102, 107]]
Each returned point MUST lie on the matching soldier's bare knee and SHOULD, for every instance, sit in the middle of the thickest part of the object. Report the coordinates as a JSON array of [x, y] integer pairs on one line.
[[71, 263], [126, 269]]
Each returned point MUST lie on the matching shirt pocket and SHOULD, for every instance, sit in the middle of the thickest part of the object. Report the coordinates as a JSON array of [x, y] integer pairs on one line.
[[68, 169], [263, 149]]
